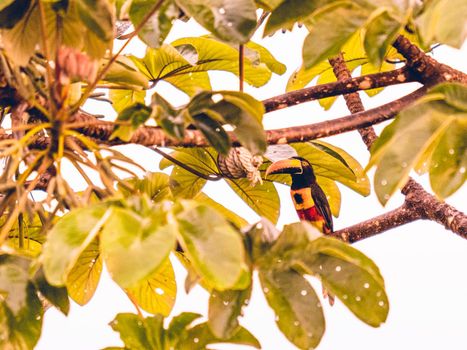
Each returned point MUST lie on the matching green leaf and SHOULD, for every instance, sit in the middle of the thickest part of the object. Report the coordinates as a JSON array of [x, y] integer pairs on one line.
[[68, 239], [213, 246], [156, 293], [124, 72], [287, 13], [200, 336], [331, 27], [449, 161], [224, 310], [135, 246], [97, 17], [349, 275], [183, 183], [266, 57], [361, 183], [443, 21], [84, 277], [230, 21], [404, 142], [12, 11], [122, 99], [262, 198], [299, 313], [232, 217], [213, 131], [380, 33], [130, 119], [168, 117], [156, 29], [155, 185], [57, 296], [166, 63], [178, 325], [140, 334], [211, 54], [20, 308], [332, 192]]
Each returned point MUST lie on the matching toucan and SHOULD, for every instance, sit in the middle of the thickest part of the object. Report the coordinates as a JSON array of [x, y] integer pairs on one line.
[[309, 199]]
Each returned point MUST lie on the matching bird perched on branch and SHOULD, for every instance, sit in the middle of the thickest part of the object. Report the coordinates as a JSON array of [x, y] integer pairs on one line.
[[309, 199]]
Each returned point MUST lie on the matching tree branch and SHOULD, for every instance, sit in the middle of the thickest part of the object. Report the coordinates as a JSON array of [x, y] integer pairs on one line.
[[369, 228], [345, 86], [418, 204]]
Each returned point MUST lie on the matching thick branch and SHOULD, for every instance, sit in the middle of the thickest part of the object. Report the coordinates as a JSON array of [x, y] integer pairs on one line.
[[347, 85], [428, 70], [378, 224]]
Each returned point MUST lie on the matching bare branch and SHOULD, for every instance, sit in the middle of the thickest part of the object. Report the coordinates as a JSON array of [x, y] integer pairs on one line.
[[345, 86]]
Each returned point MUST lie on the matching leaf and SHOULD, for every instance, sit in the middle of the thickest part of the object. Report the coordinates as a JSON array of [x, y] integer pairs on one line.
[[97, 17], [231, 216], [349, 275], [178, 325], [267, 58], [84, 277], [140, 334], [287, 13], [122, 99], [57, 296], [380, 33], [124, 72], [155, 185], [68, 239], [135, 246], [168, 117], [224, 310], [332, 26], [262, 198], [443, 21], [403, 143], [212, 245], [12, 11], [299, 313], [213, 131], [361, 184], [212, 54], [200, 336], [158, 26], [156, 293], [230, 21], [332, 192], [166, 63], [130, 119], [20, 41], [20, 308], [449, 161], [183, 183]]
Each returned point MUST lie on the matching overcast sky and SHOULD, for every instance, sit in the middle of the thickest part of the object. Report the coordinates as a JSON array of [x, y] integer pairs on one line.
[[424, 266]]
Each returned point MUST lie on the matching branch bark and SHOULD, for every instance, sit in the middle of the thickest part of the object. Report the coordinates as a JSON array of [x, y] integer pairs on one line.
[[341, 87]]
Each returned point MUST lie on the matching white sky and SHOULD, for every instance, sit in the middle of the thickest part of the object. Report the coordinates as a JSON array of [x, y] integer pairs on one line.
[[423, 264]]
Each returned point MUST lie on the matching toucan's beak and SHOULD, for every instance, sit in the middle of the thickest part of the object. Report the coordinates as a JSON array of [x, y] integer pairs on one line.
[[285, 166]]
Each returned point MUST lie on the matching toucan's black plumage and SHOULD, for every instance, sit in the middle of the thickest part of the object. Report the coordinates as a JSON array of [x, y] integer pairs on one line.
[[309, 199]]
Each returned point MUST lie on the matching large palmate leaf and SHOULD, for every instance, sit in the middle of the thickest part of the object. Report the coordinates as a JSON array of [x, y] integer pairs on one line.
[[213, 246], [417, 138], [231, 21]]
